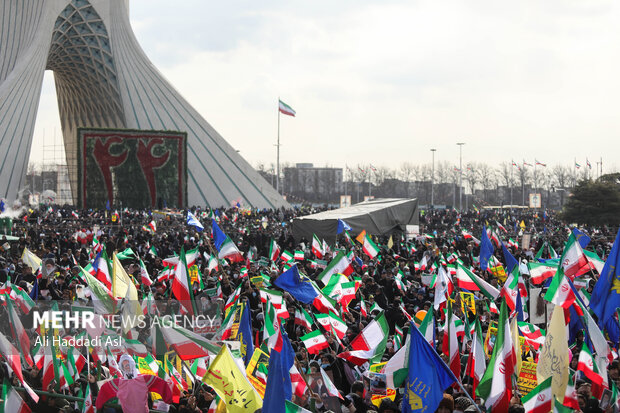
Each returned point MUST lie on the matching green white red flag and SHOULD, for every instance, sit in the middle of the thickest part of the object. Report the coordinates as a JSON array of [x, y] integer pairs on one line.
[[573, 259], [539, 399], [285, 109], [12, 401], [314, 342], [496, 384], [588, 365], [339, 265], [559, 292]]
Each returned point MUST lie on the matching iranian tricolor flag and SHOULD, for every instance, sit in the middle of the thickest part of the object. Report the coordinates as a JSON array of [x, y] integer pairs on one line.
[[286, 256], [274, 250], [369, 247], [532, 333], [271, 328], [21, 297], [144, 275], [297, 381], [299, 255], [11, 400], [363, 309], [588, 366], [199, 367], [476, 362], [89, 406], [510, 290], [11, 355], [539, 399], [573, 259], [19, 333], [339, 265], [539, 272], [226, 248], [317, 247], [427, 327], [450, 345], [314, 342], [496, 384], [303, 319], [187, 344], [570, 396], [470, 281], [369, 345], [398, 337], [331, 389], [182, 285], [559, 292], [338, 326], [293, 408], [277, 299], [285, 109], [348, 293], [397, 367], [323, 320]]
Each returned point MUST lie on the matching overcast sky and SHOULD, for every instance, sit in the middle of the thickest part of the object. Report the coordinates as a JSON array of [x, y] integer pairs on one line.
[[383, 82]]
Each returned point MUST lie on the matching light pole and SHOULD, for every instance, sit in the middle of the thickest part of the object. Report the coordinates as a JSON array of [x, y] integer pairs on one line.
[[433, 179], [460, 144]]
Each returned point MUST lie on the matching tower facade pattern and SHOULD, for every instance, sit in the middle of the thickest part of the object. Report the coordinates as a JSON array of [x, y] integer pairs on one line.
[[104, 80]]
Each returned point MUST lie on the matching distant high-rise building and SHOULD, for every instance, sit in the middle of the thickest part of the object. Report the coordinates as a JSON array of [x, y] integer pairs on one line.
[[313, 184]]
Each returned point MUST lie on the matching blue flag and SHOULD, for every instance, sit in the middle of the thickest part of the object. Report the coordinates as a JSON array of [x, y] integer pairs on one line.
[[2, 205], [428, 375], [218, 235], [278, 388], [291, 282], [486, 249], [606, 295], [34, 293], [342, 226], [519, 308], [193, 222], [107, 204], [245, 331], [582, 238], [511, 262]]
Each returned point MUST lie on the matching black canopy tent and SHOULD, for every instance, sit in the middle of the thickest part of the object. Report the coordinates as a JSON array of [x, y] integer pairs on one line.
[[377, 217]]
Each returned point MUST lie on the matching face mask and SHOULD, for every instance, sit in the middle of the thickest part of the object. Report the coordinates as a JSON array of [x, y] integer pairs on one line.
[[324, 366]]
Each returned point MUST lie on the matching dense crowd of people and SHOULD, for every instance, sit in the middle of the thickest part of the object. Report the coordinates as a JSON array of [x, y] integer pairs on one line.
[[65, 240]]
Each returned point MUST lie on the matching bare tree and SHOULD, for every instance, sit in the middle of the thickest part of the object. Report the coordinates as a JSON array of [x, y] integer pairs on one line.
[[562, 177], [406, 171], [487, 178], [472, 177], [523, 175]]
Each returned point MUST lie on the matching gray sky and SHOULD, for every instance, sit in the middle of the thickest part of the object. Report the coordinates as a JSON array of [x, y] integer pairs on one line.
[[382, 82]]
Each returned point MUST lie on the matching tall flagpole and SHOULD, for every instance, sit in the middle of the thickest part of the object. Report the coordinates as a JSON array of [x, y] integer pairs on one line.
[[278, 152], [512, 169]]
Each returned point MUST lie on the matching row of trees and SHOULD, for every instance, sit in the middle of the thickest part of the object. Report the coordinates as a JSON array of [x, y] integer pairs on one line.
[[474, 175]]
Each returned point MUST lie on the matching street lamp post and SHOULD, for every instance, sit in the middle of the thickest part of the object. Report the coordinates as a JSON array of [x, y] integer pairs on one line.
[[433, 180], [460, 144]]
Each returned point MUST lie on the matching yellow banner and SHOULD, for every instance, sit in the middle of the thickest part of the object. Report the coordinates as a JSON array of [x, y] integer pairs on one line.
[[231, 385], [468, 301], [553, 359], [527, 378], [259, 357]]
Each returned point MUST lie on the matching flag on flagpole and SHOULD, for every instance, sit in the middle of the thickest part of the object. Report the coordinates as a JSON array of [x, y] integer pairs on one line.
[[553, 358], [182, 285], [427, 378], [285, 109], [226, 248], [192, 221], [539, 399], [496, 384], [12, 401], [606, 295]]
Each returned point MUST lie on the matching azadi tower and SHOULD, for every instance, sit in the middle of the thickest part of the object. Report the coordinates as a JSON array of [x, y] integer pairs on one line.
[[104, 80]]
